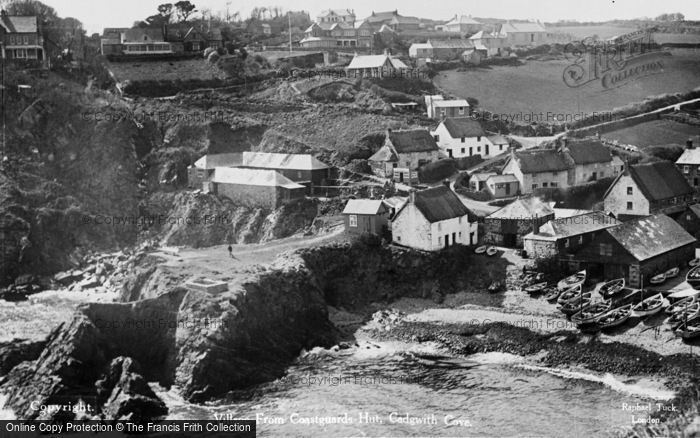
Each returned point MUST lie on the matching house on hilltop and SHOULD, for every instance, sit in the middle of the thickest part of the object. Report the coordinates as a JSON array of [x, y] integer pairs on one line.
[[403, 152], [637, 250], [375, 66], [646, 189], [434, 219]]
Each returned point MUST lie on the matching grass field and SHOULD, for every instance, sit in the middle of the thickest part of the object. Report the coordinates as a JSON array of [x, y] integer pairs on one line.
[[654, 133], [164, 70], [602, 30], [538, 86]]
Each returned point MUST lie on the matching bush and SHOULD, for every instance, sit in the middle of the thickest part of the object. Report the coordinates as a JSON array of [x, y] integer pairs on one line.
[[464, 163], [666, 152], [437, 171], [481, 196]]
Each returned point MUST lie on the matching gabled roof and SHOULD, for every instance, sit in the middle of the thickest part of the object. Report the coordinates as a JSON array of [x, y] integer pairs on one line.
[[252, 177], [562, 228], [364, 206], [689, 156], [450, 103], [523, 27], [211, 161], [452, 44], [385, 29], [268, 160], [440, 203], [523, 208], [481, 176], [636, 236], [695, 208], [375, 61], [588, 152], [541, 160], [19, 23], [136, 35], [381, 16], [400, 19], [659, 180], [414, 140], [463, 127], [462, 19], [385, 153], [499, 179]]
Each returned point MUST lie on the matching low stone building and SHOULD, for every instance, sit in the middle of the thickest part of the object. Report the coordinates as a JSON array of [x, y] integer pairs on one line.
[[637, 250], [403, 153], [564, 236], [255, 188], [434, 219], [366, 216], [508, 226], [503, 186], [202, 170], [304, 169]]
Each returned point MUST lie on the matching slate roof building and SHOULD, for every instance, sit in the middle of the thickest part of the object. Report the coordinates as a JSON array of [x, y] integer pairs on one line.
[[366, 216], [646, 189], [21, 40], [434, 219], [569, 164], [626, 251], [302, 168], [403, 152], [202, 170], [375, 66], [689, 164], [255, 188], [508, 226], [562, 237], [464, 137]]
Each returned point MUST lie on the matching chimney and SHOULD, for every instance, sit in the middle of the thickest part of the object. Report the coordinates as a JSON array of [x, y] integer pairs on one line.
[[535, 227], [386, 52], [412, 196], [689, 144]]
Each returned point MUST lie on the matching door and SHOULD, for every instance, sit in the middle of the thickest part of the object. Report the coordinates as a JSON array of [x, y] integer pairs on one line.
[[400, 176], [507, 189], [509, 240], [447, 240], [486, 150], [454, 238], [449, 152], [471, 238]]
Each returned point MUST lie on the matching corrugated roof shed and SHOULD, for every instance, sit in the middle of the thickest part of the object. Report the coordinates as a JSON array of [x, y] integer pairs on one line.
[[660, 180], [463, 127], [252, 177], [269, 160], [636, 236], [440, 203], [364, 206], [523, 208]]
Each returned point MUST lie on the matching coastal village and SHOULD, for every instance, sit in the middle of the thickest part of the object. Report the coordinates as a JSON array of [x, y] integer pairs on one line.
[[559, 219]]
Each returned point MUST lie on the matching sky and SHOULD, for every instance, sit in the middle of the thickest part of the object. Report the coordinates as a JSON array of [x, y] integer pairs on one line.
[[98, 14]]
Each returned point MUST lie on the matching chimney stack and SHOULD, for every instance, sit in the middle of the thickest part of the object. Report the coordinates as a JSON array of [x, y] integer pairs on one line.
[[689, 144], [535, 227]]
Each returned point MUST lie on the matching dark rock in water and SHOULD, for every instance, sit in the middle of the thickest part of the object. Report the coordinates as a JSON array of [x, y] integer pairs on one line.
[[17, 351], [124, 393]]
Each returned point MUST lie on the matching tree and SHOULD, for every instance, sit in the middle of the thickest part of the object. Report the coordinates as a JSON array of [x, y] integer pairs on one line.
[[184, 9], [166, 11]]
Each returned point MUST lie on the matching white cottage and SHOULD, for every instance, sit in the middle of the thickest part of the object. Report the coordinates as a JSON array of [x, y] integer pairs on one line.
[[434, 219], [464, 137]]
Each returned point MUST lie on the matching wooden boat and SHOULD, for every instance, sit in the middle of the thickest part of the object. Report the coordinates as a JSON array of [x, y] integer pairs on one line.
[[680, 305], [672, 273], [570, 294], [683, 294], [681, 316], [649, 306], [575, 305], [689, 330], [612, 288], [491, 251], [536, 288], [572, 280], [590, 313], [480, 250], [630, 296], [693, 277], [695, 262], [615, 317], [551, 294], [658, 279]]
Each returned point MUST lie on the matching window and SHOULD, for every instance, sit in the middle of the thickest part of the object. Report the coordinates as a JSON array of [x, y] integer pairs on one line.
[[21, 53], [461, 110], [439, 241], [544, 184], [629, 190], [12, 39], [398, 238], [686, 169], [437, 138], [566, 243], [534, 186], [552, 184], [695, 182], [606, 249], [465, 149], [630, 206], [353, 220], [394, 165], [25, 39], [408, 163], [462, 139], [580, 239], [439, 226], [460, 222], [478, 149], [443, 111], [478, 138]]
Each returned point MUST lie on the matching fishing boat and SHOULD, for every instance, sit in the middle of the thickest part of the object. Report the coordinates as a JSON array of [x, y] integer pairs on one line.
[[695, 262], [536, 288], [575, 305], [615, 317], [681, 304], [630, 296], [693, 277], [612, 288], [649, 306], [672, 273], [570, 294], [480, 250], [551, 294], [689, 329], [572, 280], [683, 294], [681, 316], [491, 251], [658, 279], [590, 313]]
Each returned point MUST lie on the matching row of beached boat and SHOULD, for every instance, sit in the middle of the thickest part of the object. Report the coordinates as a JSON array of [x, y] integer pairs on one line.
[[618, 304], [488, 250]]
